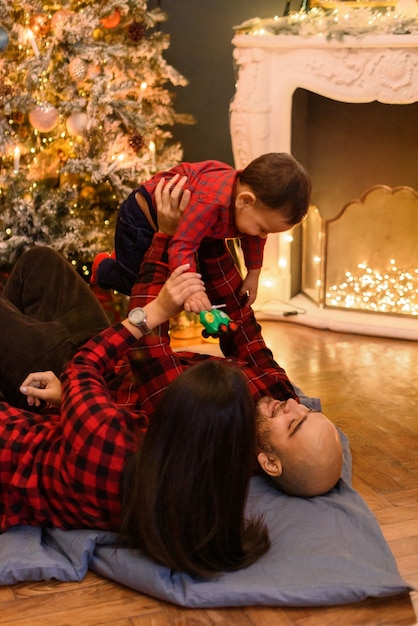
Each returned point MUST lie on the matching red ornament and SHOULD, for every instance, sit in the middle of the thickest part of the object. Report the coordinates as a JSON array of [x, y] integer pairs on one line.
[[112, 20]]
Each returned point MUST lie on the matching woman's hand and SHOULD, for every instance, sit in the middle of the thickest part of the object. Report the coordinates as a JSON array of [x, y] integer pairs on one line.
[[39, 386], [171, 198]]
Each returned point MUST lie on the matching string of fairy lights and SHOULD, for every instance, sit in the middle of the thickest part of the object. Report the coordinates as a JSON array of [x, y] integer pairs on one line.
[[389, 291]]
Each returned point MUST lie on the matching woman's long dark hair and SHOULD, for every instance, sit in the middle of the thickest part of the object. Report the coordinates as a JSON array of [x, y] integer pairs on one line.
[[185, 499]]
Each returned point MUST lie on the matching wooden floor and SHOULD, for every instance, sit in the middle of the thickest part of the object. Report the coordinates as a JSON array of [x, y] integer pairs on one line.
[[369, 388]]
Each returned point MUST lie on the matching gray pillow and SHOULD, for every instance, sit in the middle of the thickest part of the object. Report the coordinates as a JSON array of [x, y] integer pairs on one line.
[[325, 551]]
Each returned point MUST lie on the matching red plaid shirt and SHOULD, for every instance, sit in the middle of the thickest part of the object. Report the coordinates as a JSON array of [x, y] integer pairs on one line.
[[209, 214], [244, 348], [67, 470]]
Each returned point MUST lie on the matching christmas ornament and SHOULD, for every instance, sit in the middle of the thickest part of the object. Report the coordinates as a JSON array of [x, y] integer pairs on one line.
[[76, 124], [40, 24], [44, 118], [136, 31], [58, 20], [4, 39], [93, 71], [77, 69], [88, 192], [98, 34], [5, 90], [17, 117], [136, 141], [112, 20]]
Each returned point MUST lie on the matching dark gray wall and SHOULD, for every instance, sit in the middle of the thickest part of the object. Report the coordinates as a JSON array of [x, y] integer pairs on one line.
[[201, 49], [349, 148]]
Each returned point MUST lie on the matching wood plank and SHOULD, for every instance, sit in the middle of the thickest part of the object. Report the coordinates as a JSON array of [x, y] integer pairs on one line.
[[367, 386]]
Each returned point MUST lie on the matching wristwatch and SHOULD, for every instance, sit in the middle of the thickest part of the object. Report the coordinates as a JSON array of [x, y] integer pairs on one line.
[[138, 318]]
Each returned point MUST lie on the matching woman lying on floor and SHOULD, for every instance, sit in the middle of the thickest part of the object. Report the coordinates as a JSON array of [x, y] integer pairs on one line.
[[171, 476]]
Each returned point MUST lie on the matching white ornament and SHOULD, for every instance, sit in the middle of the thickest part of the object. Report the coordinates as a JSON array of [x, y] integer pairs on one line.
[[44, 117], [76, 124]]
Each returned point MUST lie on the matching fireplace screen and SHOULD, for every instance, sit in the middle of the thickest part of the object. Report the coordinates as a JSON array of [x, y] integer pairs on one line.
[[366, 258]]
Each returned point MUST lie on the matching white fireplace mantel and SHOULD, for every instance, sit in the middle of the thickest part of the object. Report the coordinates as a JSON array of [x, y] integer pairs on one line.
[[270, 68]]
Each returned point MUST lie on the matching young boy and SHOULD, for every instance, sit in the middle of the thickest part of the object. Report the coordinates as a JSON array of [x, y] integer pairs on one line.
[[270, 195]]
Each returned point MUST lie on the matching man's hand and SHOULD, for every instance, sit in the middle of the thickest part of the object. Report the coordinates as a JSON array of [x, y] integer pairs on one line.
[[171, 199], [39, 386], [180, 286]]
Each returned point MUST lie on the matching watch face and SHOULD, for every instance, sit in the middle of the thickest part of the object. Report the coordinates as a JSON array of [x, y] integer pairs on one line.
[[137, 316]]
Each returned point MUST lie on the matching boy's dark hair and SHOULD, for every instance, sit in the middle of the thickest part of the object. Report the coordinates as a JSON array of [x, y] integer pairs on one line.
[[280, 182]]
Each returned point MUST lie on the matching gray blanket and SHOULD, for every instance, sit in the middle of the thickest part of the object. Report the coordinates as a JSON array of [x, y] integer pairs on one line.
[[325, 551]]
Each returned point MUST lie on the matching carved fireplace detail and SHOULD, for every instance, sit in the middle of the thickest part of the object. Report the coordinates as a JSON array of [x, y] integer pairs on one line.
[[270, 68]]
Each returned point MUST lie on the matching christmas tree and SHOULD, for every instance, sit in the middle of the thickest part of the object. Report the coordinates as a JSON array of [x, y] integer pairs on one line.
[[85, 116]]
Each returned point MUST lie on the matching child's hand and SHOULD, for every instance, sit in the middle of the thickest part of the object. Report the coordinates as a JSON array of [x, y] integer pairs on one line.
[[250, 286], [197, 302]]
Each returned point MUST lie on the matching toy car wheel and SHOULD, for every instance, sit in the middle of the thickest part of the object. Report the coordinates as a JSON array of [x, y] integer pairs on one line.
[[205, 333]]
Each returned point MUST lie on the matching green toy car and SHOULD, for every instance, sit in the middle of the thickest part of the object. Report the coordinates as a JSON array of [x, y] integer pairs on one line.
[[215, 323]]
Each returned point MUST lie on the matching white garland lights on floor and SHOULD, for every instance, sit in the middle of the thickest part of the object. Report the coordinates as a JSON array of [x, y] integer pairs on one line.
[[341, 19], [391, 291]]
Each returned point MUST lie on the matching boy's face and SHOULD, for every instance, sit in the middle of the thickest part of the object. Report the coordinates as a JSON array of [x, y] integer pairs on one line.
[[257, 220]]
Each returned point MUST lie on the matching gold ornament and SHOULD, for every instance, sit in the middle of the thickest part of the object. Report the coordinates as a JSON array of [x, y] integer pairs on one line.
[[40, 24], [88, 192], [97, 34], [58, 20], [44, 117], [77, 69], [112, 20], [76, 124]]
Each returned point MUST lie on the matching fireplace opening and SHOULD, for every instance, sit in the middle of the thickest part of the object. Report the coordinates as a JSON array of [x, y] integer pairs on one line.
[[357, 249], [364, 259]]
